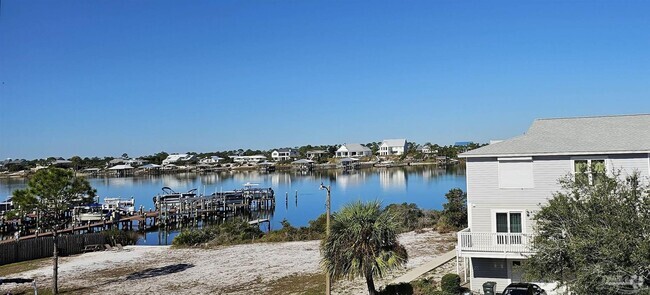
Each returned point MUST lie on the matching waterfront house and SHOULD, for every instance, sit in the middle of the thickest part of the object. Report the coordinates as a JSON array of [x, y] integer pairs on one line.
[[211, 160], [248, 159], [122, 169], [173, 158], [393, 147], [317, 154], [348, 163], [284, 154], [353, 150], [507, 181]]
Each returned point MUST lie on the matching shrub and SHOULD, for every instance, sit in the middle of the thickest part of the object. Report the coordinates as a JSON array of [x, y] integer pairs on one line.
[[455, 210], [227, 233], [450, 283], [419, 287]]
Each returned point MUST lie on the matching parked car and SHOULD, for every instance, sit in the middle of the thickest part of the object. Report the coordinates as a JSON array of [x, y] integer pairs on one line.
[[523, 289]]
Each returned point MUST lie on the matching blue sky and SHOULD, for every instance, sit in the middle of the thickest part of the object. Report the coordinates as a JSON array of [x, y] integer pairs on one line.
[[101, 78]]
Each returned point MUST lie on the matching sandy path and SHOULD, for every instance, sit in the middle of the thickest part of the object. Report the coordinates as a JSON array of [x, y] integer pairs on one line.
[[241, 269]]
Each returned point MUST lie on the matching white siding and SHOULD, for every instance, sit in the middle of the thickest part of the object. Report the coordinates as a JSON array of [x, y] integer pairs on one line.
[[485, 196]]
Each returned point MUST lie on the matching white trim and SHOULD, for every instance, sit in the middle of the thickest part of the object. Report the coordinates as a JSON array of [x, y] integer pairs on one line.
[[505, 159], [493, 218], [609, 170], [553, 154]]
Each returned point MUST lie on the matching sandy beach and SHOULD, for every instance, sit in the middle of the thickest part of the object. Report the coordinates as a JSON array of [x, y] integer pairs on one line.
[[263, 268]]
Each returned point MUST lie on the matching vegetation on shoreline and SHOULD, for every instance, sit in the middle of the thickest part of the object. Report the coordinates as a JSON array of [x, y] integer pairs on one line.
[[410, 218]]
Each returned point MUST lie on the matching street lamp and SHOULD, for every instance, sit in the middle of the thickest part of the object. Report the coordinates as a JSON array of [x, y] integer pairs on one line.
[[328, 283]]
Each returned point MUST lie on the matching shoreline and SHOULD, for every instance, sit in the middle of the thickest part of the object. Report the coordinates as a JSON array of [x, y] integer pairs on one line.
[[320, 167]]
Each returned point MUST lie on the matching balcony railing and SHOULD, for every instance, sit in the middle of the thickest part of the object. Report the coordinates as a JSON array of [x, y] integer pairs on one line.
[[494, 242]]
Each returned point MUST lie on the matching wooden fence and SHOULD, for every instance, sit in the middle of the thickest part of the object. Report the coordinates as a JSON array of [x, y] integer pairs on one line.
[[42, 247]]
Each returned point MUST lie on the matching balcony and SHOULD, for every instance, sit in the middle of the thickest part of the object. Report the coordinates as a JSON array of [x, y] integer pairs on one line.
[[507, 245]]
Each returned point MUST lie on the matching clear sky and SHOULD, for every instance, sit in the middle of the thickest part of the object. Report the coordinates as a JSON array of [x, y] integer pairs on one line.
[[102, 78]]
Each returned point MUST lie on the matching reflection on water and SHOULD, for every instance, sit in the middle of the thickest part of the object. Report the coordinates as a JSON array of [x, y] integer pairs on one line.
[[298, 198], [392, 179]]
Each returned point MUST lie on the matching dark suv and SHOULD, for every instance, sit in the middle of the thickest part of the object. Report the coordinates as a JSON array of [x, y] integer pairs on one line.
[[523, 289]]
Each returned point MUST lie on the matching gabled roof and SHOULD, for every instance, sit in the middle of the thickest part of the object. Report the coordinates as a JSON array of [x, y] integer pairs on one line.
[[575, 136], [354, 147], [394, 142]]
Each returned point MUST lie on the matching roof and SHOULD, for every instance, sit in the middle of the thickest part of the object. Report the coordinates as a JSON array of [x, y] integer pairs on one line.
[[355, 147], [394, 142], [575, 136], [121, 167], [317, 152], [285, 150], [349, 160]]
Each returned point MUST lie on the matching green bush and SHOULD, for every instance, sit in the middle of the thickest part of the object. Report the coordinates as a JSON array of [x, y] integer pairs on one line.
[[419, 287], [227, 233], [288, 233], [450, 283], [409, 217]]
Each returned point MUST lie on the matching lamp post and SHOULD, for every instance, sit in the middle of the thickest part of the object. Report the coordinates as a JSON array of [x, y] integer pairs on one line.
[[328, 283]]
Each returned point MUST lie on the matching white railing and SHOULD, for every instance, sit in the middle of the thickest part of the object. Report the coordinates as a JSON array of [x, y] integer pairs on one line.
[[494, 242]]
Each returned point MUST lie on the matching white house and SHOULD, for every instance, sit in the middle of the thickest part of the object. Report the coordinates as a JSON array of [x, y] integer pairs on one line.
[[173, 158], [317, 154], [393, 147], [353, 150], [506, 182], [248, 159], [284, 154], [211, 160]]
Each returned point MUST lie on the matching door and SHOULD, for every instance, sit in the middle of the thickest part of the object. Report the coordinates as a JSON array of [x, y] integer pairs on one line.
[[516, 272], [508, 223]]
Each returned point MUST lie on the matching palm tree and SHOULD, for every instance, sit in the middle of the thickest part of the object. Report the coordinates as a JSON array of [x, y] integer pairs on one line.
[[362, 242]]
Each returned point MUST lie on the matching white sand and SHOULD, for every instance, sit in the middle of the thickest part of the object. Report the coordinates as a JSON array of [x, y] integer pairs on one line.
[[241, 269]]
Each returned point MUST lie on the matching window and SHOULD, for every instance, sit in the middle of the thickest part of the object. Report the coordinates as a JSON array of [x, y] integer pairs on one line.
[[589, 171], [509, 223], [516, 173]]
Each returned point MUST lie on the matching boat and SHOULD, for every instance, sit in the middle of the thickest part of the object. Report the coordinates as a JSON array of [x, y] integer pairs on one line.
[[89, 213], [170, 197], [123, 206]]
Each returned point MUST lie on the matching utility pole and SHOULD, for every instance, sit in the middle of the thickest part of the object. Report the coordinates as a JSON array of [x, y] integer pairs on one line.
[[328, 283]]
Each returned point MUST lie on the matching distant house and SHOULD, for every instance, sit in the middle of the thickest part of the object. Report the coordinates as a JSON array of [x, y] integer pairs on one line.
[[425, 149], [122, 169], [284, 154], [393, 147], [132, 162], [248, 159], [211, 160], [353, 150], [173, 158], [317, 154]]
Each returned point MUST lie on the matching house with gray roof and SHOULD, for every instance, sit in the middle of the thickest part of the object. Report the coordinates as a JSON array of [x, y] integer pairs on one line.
[[353, 150], [508, 180], [393, 147], [284, 154]]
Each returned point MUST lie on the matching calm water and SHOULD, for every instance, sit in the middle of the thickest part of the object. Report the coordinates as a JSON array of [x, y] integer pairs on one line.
[[423, 185]]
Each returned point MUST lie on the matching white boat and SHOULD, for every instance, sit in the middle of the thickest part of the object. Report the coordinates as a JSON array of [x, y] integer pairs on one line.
[[123, 206], [88, 213]]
